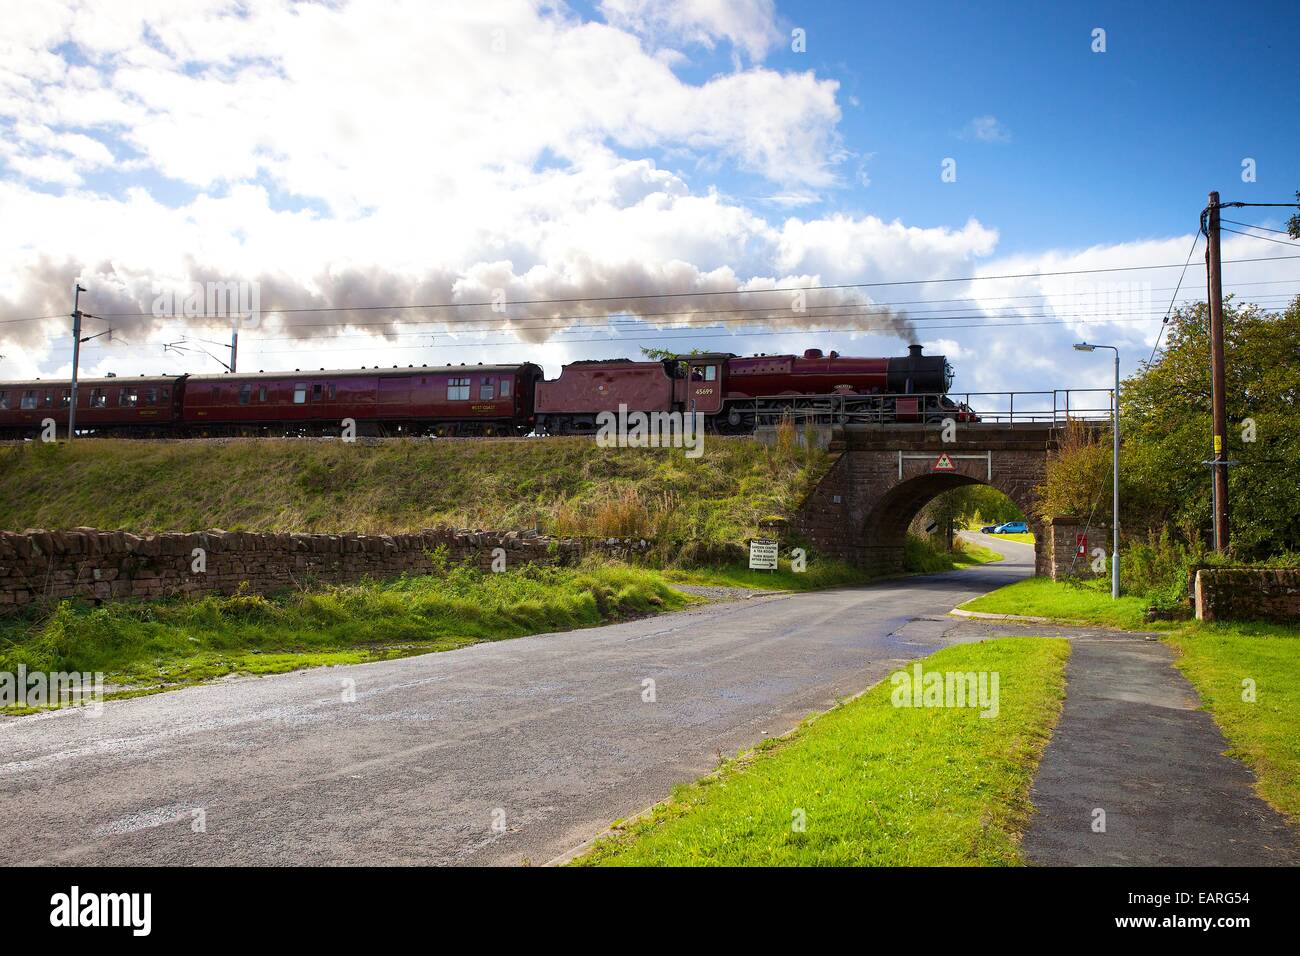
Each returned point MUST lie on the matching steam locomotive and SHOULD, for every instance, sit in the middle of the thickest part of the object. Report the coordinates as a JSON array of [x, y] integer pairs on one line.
[[733, 393]]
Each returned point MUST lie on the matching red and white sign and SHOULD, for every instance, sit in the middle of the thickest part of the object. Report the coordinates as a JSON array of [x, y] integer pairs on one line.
[[1081, 545], [944, 463]]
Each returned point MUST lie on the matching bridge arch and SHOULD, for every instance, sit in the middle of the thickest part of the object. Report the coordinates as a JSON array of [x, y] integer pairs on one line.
[[884, 527], [884, 475]]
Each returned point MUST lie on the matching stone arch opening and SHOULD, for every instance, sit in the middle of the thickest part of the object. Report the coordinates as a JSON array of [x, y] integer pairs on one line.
[[883, 475], [884, 529]]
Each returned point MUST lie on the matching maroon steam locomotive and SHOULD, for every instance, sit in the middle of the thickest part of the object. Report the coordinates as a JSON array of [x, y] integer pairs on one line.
[[737, 393], [734, 393]]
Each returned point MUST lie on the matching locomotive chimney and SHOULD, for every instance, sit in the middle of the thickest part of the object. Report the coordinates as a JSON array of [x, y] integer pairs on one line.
[[914, 351]]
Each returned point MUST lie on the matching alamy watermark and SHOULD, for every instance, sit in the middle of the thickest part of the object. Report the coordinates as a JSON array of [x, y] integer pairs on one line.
[[922, 688], [21, 688], [130, 910], [239, 301], [651, 430]]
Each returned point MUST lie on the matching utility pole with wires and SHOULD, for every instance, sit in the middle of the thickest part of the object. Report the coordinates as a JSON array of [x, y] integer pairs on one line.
[[77, 339], [1219, 464], [76, 355], [1214, 267]]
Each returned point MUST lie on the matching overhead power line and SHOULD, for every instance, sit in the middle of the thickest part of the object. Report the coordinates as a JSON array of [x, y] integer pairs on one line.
[[1253, 225], [1251, 235], [1174, 298], [677, 295]]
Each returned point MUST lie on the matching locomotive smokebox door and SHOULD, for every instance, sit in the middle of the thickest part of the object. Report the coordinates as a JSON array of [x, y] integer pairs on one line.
[[704, 386]]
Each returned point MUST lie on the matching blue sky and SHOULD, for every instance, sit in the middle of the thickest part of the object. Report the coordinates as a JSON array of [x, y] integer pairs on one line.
[[1099, 147], [400, 153]]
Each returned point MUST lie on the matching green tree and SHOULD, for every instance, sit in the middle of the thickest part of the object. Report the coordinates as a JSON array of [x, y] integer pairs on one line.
[[659, 355], [1166, 428], [1078, 475], [967, 505]]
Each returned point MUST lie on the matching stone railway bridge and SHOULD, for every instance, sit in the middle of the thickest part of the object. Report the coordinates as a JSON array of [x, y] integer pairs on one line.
[[885, 474]]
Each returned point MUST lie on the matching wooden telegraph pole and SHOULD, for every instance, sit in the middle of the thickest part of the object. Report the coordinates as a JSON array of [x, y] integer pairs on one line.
[[1219, 470]]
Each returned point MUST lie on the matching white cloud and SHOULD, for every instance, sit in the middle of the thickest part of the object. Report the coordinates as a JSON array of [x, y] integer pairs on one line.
[[747, 24], [986, 129]]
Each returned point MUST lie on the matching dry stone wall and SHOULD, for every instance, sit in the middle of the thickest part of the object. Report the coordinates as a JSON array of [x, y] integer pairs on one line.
[[115, 565]]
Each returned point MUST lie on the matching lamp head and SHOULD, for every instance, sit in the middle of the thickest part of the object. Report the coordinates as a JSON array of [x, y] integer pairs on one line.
[[1084, 347]]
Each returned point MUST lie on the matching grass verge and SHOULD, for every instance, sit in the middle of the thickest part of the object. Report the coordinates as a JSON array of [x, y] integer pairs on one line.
[[921, 557], [1024, 537], [1264, 732], [875, 784], [188, 641], [1087, 602]]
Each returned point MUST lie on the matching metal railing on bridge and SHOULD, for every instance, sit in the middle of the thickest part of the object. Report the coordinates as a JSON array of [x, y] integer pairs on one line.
[[1055, 406]]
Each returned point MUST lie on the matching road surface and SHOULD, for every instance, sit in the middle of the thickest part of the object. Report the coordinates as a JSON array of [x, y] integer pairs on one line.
[[500, 753]]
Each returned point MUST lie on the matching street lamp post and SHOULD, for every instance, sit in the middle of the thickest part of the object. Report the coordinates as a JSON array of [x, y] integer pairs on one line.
[[1114, 520]]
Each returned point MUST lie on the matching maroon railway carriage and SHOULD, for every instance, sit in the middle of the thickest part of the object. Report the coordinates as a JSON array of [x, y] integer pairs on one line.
[[448, 400], [737, 392], [143, 406]]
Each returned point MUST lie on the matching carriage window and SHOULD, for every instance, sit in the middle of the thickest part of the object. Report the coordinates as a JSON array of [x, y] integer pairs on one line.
[[505, 388], [315, 393], [333, 391], [300, 394], [151, 396], [4, 400], [457, 389], [98, 398], [66, 398], [128, 398], [165, 394], [710, 373], [49, 399], [245, 394], [261, 393], [486, 391], [29, 399]]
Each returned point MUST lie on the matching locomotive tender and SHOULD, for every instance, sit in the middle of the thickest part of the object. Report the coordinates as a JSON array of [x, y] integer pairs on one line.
[[734, 393]]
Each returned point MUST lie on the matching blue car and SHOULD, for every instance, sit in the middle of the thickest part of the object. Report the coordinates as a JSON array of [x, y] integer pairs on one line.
[[1012, 527]]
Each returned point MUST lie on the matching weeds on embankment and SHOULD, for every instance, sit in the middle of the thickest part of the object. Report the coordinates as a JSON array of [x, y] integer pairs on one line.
[[184, 641], [402, 485]]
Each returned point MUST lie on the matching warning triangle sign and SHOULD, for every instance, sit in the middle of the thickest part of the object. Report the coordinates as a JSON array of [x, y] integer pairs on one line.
[[944, 463]]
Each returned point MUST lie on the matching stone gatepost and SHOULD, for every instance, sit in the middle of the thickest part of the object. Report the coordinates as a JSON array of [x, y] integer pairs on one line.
[[1064, 538]]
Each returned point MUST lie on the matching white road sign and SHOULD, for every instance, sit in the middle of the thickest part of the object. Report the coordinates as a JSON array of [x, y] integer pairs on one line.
[[762, 554]]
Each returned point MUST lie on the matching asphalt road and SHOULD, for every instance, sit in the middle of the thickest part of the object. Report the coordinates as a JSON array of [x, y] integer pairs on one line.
[[500, 753]]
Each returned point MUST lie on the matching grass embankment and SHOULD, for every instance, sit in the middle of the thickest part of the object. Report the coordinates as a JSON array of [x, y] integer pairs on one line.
[[187, 641], [567, 484], [874, 784], [1216, 657], [920, 555]]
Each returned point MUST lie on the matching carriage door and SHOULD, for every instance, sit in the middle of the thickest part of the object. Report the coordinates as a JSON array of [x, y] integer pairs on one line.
[[705, 388]]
